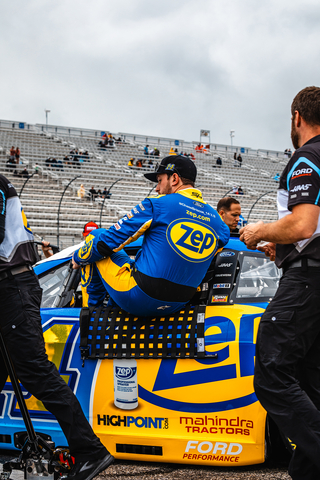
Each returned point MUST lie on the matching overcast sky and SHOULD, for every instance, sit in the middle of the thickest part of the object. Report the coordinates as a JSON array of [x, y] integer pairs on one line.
[[166, 68]]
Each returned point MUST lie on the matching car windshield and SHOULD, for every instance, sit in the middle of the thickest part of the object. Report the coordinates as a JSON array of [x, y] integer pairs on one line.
[[258, 278], [52, 283]]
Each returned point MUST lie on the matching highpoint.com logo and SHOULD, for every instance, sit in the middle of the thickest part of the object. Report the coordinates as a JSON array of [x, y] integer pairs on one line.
[[128, 421]]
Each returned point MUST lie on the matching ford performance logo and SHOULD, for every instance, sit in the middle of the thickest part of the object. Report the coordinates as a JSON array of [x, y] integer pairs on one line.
[[226, 254], [125, 373], [192, 240]]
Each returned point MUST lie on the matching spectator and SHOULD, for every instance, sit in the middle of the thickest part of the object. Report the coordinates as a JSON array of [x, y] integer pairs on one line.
[[239, 160], [81, 192], [199, 147], [156, 152], [219, 162], [93, 194], [240, 191], [130, 163], [139, 163], [150, 163], [11, 164], [12, 157], [229, 210], [36, 169], [25, 173], [105, 193], [17, 155], [99, 193], [67, 159], [86, 156], [235, 163], [146, 150]]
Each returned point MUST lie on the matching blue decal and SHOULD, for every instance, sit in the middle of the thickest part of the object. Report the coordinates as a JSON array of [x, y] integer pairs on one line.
[[166, 377], [247, 349], [196, 407]]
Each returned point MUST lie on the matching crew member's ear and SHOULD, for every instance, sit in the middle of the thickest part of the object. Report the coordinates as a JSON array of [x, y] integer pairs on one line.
[[297, 118], [221, 213]]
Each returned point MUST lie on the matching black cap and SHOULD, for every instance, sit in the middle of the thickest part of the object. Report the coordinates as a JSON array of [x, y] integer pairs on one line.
[[179, 164]]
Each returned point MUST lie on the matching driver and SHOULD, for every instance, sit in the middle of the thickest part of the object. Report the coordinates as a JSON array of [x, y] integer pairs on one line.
[[182, 233]]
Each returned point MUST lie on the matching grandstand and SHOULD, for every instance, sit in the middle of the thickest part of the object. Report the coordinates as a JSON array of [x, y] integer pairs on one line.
[[41, 194]]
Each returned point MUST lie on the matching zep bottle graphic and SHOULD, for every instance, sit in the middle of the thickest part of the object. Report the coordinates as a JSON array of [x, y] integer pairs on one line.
[[125, 383]]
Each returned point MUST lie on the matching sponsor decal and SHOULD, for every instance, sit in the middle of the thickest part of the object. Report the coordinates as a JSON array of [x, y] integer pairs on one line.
[[219, 298], [85, 251], [227, 254], [126, 421], [305, 194], [228, 426], [117, 226], [163, 307], [302, 172], [141, 206], [125, 373], [294, 195], [170, 166], [223, 275], [200, 217], [222, 285], [214, 451], [191, 239], [225, 265], [196, 194], [198, 204], [129, 215], [135, 210], [297, 188]]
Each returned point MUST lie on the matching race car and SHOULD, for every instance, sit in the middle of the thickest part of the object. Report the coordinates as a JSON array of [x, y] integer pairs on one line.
[[173, 388]]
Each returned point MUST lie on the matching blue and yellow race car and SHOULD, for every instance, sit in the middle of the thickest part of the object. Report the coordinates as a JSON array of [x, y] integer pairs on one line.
[[168, 389]]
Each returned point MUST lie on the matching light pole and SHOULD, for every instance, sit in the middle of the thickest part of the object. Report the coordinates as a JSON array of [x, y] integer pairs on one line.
[[231, 136], [47, 111]]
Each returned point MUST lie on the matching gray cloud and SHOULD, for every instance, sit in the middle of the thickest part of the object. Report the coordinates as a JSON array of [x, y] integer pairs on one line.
[[160, 68]]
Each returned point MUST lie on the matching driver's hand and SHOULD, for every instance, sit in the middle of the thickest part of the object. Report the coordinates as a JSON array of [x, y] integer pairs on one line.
[[75, 266]]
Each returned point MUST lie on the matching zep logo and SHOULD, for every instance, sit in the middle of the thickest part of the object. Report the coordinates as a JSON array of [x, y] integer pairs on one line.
[[191, 239], [125, 373]]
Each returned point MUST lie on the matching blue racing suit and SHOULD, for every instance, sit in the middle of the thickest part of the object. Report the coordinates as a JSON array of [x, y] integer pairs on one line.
[[182, 233]]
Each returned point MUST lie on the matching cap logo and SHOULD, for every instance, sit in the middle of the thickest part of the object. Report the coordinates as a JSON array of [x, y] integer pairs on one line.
[[170, 166]]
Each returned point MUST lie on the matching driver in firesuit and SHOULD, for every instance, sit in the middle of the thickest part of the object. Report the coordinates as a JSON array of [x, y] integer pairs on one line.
[[182, 233]]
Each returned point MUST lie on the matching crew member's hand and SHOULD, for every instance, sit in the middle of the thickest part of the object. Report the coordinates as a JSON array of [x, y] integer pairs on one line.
[[75, 266], [47, 250], [269, 250], [249, 235]]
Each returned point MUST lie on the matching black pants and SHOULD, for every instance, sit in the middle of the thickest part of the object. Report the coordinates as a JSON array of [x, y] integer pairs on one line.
[[20, 322], [287, 370]]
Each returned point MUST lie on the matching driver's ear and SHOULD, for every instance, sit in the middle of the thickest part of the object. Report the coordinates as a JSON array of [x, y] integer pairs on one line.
[[175, 179]]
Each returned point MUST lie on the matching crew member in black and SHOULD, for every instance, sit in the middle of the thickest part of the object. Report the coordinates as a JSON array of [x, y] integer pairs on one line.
[[20, 322], [287, 368]]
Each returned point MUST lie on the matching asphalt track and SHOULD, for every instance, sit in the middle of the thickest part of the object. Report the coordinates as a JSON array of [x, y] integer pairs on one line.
[[125, 470]]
